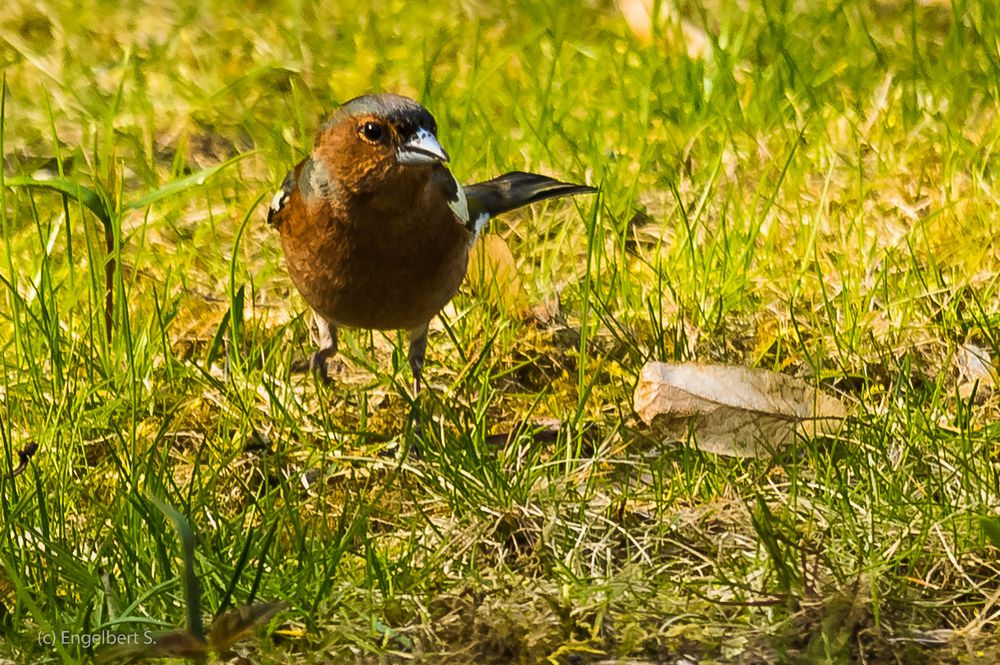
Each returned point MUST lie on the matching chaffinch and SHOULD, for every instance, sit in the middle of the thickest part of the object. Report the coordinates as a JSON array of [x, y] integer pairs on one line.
[[376, 231]]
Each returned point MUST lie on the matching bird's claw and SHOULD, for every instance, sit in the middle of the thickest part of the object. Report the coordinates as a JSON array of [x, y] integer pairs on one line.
[[316, 362]]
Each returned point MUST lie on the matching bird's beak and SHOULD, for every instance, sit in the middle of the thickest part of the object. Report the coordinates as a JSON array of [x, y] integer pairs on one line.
[[422, 148]]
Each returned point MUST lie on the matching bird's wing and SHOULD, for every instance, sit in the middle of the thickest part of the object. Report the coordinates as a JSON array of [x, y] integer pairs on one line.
[[281, 196], [453, 193], [513, 190]]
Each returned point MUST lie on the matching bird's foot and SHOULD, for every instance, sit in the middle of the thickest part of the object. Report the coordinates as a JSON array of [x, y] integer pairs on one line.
[[316, 362]]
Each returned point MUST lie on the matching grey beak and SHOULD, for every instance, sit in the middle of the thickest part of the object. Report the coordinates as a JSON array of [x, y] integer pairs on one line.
[[422, 148]]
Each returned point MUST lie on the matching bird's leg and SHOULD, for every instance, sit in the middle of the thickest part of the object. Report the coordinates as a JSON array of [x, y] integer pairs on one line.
[[418, 349], [327, 338], [416, 353]]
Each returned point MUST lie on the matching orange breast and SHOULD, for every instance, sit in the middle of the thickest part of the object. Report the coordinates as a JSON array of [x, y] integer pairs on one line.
[[376, 265]]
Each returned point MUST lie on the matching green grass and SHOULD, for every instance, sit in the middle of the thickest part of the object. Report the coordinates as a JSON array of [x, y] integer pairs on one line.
[[816, 196]]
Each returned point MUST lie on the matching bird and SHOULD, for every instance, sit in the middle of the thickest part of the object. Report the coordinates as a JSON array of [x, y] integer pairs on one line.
[[376, 231]]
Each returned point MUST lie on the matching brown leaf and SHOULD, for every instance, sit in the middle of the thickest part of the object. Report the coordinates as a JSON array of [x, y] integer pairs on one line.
[[638, 14], [234, 625], [494, 276], [175, 644], [974, 363], [548, 310], [24, 456], [975, 370], [735, 411]]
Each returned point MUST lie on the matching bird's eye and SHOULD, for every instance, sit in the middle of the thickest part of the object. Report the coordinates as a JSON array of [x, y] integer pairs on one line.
[[372, 131]]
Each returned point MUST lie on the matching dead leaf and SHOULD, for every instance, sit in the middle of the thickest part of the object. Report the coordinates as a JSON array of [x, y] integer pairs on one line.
[[174, 644], [24, 456], [974, 363], [736, 411], [638, 15], [975, 369], [227, 630], [234, 625], [548, 310], [493, 276]]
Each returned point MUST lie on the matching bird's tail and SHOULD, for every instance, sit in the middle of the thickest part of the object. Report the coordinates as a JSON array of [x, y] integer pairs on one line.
[[515, 189]]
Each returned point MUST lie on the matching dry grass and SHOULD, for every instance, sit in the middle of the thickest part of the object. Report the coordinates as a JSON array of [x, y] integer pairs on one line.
[[812, 193]]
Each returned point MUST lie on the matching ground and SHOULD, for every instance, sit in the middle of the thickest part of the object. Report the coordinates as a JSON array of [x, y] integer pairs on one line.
[[806, 187]]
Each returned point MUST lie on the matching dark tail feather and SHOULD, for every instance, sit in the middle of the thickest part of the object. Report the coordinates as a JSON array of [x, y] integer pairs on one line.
[[516, 189]]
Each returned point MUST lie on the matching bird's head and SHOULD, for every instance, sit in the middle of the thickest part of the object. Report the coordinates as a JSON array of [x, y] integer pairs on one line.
[[378, 138]]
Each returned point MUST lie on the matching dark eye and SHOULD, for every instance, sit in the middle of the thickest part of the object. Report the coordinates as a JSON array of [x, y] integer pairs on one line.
[[372, 131]]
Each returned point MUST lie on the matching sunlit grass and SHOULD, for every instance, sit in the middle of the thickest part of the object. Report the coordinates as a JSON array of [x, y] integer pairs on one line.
[[814, 196]]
